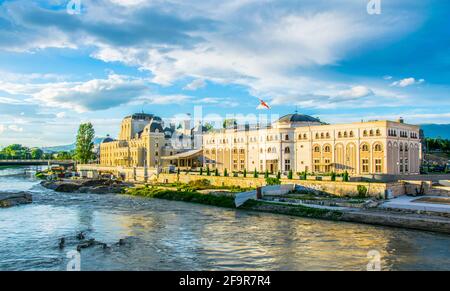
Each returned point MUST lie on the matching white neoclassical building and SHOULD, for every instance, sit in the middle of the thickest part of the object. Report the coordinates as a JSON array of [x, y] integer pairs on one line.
[[303, 143]]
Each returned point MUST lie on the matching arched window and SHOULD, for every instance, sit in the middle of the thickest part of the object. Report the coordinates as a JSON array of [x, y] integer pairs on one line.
[[327, 149], [317, 136], [406, 147], [321, 135], [299, 136], [269, 150], [371, 132], [345, 134], [213, 152], [401, 147], [340, 134], [351, 134], [365, 148], [378, 132], [304, 136], [365, 133], [286, 137], [287, 150], [317, 149], [328, 135], [378, 147]]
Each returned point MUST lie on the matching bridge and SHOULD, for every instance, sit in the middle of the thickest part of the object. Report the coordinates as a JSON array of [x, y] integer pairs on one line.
[[36, 162]]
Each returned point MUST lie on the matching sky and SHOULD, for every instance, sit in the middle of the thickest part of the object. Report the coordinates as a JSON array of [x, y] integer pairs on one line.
[[64, 62]]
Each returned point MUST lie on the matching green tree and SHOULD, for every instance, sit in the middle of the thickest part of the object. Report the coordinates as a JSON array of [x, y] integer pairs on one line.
[[217, 173], [37, 154], [266, 174], [290, 175], [208, 171], [333, 176], [225, 173], [85, 143], [255, 174], [245, 173], [201, 171], [345, 177], [229, 123], [279, 175]]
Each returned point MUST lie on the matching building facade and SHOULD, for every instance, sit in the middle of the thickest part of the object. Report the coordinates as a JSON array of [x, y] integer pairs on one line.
[[144, 142], [303, 143]]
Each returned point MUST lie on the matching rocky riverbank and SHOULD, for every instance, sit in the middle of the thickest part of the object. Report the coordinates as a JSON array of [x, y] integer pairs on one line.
[[14, 199], [90, 186]]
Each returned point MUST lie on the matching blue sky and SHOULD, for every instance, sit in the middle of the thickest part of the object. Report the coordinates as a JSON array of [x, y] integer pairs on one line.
[[110, 58]]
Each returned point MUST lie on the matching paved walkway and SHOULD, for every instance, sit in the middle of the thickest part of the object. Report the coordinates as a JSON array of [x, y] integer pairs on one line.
[[406, 202]]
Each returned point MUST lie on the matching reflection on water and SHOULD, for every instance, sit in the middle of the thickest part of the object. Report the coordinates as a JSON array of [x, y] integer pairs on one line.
[[167, 235]]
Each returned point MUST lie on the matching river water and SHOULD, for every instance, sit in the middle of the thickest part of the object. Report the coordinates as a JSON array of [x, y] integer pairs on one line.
[[169, 235]]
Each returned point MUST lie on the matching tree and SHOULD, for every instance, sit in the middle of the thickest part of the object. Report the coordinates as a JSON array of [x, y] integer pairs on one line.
[[255, 174], [85, 143], [208, 171], [208, 126], [345, 177], [37, 154], [225, 173], [279, 175], [266, 174], [229, 123], [290, 175], [201, 171], [333, 176], [216, 173], [245, 173]]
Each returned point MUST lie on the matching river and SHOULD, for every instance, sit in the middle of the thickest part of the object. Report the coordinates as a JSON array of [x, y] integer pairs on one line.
[[169, 235]]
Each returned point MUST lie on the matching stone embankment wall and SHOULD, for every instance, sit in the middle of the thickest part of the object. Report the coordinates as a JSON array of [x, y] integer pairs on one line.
[[335, 188]]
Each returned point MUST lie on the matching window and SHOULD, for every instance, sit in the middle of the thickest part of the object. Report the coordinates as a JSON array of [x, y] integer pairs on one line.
[[339, 134], [345, 134], [287, 165], [351, 134], [378, 166], [378, 148], [365, 133], [378, 132], [287, 150], [365, 165], [322, 135], [327, 149], [328, 135], [371, 132], [317, 149], [365, 148], [304, 136], [286, 137], [299, 136], [317, 136]]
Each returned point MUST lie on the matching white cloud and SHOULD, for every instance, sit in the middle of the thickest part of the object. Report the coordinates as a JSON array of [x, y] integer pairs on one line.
[[2, 128], [196, 84], [15, 128], [61, 114], [95, 94], [407, 82], [355, 92]]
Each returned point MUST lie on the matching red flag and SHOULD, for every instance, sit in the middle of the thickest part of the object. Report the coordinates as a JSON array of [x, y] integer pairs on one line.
[[263, 104]]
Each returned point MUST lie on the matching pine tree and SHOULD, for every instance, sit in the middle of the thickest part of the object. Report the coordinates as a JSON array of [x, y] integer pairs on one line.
[[290, 175], [245, 173]]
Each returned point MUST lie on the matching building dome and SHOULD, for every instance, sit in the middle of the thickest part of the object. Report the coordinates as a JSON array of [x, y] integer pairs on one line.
[[107, 139], [298, 118]]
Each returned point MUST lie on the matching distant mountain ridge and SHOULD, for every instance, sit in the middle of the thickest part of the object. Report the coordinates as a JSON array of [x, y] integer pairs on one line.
[[67, 148], [436, 130]]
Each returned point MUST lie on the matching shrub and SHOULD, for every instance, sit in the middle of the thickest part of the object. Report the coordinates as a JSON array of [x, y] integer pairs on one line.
[[279, 175], [266, 174], [273, 181], [290, 175], [201, 171], [362, 191], [225, 173], [235, 174], [255, 174], [333, 176], [345, 177], [245, 173], [302, 176], [208, 171], [217, 173]]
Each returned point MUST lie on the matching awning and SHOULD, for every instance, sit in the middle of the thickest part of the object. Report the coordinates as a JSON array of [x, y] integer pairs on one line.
[[184, 155]]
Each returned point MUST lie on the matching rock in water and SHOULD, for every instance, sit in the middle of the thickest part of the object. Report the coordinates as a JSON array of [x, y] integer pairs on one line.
[[14, 199]]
